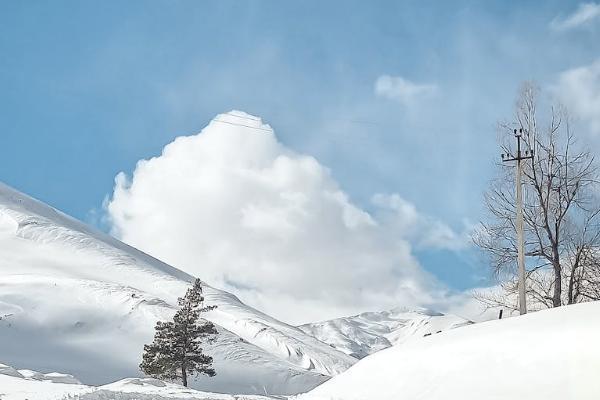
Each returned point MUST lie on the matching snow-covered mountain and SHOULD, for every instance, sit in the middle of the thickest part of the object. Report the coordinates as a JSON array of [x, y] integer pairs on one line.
[[369, 332], [546, 355], [75, 300]]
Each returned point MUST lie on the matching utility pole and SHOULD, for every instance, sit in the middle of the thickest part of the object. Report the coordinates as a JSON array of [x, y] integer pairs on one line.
[[519, 223]]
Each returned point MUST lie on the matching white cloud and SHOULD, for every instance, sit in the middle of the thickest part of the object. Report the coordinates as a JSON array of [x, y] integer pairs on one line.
[[585, 13], [235, 207], [403, 90], [402, 217], [579, 90]]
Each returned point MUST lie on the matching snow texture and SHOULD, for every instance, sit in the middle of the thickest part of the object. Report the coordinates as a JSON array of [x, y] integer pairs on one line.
[[32, 387]]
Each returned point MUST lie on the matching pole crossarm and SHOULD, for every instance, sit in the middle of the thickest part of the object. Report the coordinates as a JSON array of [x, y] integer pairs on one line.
[[517, 158]]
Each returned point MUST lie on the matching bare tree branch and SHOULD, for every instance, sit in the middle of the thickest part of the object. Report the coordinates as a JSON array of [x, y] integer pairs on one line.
[[561, 213]]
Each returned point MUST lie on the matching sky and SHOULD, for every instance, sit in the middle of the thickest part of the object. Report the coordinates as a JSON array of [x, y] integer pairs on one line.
[[394, 105]]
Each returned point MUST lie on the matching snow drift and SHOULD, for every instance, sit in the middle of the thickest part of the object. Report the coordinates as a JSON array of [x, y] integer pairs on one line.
[[549, 355], [33, 385]]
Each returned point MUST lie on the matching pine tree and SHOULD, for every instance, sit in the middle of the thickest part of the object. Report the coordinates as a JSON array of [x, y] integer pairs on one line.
[[175, 352]]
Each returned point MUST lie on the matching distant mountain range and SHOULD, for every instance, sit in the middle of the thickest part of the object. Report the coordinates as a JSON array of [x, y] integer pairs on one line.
[[369, 332]]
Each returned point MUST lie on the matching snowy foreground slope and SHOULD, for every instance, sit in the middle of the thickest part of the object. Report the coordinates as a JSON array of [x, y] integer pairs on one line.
[[78, 301], [369, 332], [549, 355], [32, 385]]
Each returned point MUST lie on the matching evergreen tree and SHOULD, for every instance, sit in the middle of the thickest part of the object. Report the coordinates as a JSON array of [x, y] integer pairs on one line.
[[175, 351]]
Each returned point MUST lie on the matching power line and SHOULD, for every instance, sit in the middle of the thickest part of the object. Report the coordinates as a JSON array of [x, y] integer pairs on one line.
[[362, 122], [257, 119], [243, 117], [246, 126]]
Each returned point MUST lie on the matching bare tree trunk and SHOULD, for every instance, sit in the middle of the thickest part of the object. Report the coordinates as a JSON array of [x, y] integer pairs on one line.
[[571, 288], [556, 298]]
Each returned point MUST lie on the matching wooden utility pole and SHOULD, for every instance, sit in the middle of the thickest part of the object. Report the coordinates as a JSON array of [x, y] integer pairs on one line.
[[519, 223]]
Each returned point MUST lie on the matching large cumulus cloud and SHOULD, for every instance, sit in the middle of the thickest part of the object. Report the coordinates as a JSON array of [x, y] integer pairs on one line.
[[235, 207]]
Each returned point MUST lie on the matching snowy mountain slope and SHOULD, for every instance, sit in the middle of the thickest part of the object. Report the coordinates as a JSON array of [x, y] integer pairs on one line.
[[369, 332], [281, 339], [33, 385], [547, 355], [76, 300]]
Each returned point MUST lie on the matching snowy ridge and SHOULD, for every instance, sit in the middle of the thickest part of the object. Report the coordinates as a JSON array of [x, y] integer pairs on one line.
[[284, 340], [38, 222], [369, 332], [107, 296]]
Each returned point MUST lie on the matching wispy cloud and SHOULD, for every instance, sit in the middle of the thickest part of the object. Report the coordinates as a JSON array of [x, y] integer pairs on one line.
[[584, 14], [423, 231], [403, 90], [579, 89]]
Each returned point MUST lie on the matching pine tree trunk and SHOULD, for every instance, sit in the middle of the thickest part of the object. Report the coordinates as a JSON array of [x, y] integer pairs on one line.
[[184, 375]]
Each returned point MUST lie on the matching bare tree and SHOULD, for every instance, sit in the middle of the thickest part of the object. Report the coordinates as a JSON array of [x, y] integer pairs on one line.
[[561, 212]]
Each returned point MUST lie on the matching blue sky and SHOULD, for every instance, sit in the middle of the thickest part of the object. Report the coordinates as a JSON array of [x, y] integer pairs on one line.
[[89, 88]]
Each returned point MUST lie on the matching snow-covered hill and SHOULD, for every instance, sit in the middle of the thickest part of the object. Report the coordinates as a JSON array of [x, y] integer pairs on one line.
[[369, 332], [547, 355], [75, 300]]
